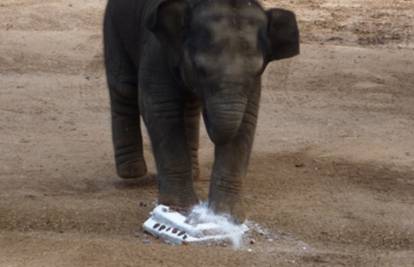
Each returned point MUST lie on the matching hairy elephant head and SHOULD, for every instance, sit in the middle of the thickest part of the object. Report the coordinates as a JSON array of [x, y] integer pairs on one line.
[[220, 48]]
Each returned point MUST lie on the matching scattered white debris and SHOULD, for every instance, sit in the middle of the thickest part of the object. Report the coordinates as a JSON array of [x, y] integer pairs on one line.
[[257, 228], [200, 226]]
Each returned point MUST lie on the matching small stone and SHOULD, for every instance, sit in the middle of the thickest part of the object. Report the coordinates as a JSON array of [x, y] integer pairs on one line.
[[223, 244], [299, 165], [252, 241]]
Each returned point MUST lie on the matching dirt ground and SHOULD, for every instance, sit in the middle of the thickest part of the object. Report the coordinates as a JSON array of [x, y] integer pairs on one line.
[[331, 182]]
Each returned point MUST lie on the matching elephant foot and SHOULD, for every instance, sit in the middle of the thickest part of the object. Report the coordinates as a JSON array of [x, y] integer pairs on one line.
[[132, 169], [179, 202], [228, 205]]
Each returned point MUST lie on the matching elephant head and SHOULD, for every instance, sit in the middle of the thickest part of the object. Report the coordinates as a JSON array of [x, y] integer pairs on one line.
[[219, 49]]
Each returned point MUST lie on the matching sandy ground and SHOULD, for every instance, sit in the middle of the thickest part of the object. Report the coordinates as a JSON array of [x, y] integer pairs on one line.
[[332, 174]]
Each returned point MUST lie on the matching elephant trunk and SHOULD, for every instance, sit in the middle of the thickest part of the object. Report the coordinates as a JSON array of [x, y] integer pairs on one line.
[[223, 115]]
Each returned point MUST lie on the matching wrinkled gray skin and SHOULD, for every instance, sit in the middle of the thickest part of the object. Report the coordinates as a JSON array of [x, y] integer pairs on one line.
[[170, 60]]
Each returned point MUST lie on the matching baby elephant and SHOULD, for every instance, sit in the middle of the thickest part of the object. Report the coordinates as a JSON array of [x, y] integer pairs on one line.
[[170, 60]]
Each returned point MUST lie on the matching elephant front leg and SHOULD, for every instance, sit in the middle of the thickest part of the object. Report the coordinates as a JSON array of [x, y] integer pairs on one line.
[[230, 167], [164, 118], [192, 128]]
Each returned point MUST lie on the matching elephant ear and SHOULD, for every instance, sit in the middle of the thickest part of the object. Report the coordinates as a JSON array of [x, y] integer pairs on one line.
[[283, 34], [168, 21]]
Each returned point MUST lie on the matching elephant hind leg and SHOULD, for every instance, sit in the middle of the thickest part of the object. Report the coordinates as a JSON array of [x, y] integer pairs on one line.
[[125, 114], [126, 131]]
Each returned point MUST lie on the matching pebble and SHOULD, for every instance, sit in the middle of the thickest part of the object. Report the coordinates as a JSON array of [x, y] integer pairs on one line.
[[299, 165]]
